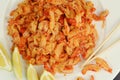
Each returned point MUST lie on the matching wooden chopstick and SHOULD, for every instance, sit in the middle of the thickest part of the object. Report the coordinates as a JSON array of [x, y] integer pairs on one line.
[[100, 46], [116, 42]]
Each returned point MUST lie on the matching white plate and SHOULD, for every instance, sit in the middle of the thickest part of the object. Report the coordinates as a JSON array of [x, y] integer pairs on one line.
[[113, 60]]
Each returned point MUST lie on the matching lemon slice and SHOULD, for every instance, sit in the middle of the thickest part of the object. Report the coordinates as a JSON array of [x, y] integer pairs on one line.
[[31, 73], [5, 62], [17, 66], [47, 76]]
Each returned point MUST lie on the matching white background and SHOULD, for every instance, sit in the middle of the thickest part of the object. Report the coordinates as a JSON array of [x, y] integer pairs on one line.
[[112, 55]]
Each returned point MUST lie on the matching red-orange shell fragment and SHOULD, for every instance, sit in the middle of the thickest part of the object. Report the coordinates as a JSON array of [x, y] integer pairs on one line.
[[102, 15], [68, 69], [103, 64], [92, 77], [80, 78], [90, 67]]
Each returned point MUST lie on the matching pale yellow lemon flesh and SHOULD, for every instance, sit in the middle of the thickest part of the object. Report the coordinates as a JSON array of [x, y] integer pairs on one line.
[[5, 62], [47, 76], [17, 65], [32, 73]]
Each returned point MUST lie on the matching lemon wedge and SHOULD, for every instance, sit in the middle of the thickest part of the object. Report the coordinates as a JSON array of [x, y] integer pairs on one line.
[[47, 76], [5, 62], [17, 66], [31, 73]]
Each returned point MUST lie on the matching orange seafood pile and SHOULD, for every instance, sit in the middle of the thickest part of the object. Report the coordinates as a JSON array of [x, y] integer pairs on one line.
[[54, 33]]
